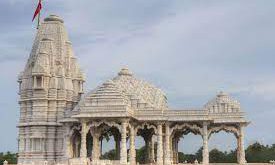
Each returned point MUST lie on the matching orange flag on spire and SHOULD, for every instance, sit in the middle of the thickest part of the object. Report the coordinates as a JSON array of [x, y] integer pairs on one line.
[[38, 9]]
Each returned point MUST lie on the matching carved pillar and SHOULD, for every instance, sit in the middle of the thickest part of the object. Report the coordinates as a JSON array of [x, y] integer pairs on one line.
[[148, 148], [160, 145], [173, 153], [167, 158], [83, 152], [175, 141], [241, 149], [238, 151], [132, 146], [177, 149], [96, 145], [123, 149], [205, 152], [83, 149], [152, 149], [117, 142]]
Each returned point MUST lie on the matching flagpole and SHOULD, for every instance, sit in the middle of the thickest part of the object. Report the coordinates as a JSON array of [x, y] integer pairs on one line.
[[38, 19]]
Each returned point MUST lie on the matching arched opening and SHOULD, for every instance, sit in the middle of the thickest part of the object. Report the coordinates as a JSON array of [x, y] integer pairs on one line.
[[109, 139], [146, 145], [190, 148], [186, 144], [223, 147], [76, 144]]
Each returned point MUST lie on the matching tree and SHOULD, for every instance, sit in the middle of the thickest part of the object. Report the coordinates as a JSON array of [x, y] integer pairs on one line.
[[110, 155], [216, 156], [199, 154], [140, 155], [10, 157], [257, 152]]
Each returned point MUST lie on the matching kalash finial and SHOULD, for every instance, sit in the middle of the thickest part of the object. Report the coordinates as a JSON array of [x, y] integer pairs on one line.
[[221, 94], [125, 72], [53, 17]]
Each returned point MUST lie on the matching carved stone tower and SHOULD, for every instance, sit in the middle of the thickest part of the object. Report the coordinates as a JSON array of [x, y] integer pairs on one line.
[[50, 85]]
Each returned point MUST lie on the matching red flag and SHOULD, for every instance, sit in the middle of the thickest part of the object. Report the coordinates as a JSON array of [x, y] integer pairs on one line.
[[38, 9]]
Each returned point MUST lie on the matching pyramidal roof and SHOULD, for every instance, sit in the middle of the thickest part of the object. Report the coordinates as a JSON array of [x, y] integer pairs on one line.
[[52, 53], [126, 90], [142, 91]]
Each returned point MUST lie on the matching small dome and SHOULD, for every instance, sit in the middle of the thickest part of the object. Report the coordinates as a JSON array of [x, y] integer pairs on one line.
[[125, 72], [140, 92], [222, 94], [53, 18], [223, 103]]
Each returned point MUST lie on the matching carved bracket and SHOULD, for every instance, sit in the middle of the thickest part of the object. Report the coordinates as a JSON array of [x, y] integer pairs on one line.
[[226, 128], [149, 126], [185, 126]]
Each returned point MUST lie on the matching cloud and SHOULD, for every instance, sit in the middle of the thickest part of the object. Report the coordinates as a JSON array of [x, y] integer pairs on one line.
[[265, 90]]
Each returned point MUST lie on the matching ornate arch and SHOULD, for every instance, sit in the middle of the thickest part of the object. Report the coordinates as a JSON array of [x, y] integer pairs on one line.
[[109, 123], [226, 128], [149, 126], [192, 127]]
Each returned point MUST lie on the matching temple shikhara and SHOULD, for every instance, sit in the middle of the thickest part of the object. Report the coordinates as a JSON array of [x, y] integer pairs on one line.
[[60, 124]]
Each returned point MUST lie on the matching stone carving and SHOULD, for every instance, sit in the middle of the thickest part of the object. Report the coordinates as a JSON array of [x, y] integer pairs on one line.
[[225, 128], [149, 126], [109, 123], [193, 127]]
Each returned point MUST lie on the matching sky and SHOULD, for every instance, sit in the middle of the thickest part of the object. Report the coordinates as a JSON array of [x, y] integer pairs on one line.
[[189, 49]]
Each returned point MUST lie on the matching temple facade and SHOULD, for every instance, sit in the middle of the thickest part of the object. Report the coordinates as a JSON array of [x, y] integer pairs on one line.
[[60, 124]]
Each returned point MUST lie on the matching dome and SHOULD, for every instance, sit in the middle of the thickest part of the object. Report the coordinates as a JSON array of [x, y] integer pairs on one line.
[[223, 103], [125, 89]]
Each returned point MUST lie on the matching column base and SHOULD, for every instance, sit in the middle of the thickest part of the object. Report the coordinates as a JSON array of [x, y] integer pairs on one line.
[[84, 161], [123, 163], [160, 163], [242, 162], [133, 162], [167, 163]]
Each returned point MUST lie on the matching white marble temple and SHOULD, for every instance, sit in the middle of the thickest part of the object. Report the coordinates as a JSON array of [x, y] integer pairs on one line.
[[60, 124]]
